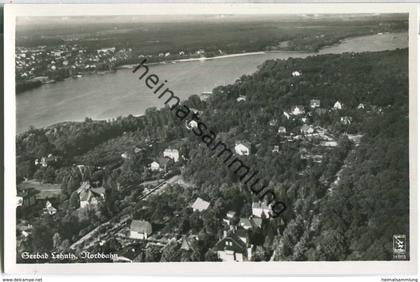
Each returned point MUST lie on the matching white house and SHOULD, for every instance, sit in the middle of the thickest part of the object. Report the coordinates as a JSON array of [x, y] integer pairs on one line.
[[172, 154], [361, 106], [125, 155], [230, 214], [241, 99], [286, 115], [307, 129], [105, 50], [49, 209], [276, 149], [19, 201], [192, 124], [329, 143], [296, 73], [140, 229], [297, 110], [154, 166], [87, 198], [338, 105], [200, 205], [281, 130], [241, 149], [259, 208]]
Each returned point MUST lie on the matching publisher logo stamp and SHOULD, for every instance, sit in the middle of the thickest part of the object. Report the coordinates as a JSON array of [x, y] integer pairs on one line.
[[399, 246]]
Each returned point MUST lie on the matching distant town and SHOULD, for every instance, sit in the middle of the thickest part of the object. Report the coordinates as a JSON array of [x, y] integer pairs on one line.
[[42, 64]]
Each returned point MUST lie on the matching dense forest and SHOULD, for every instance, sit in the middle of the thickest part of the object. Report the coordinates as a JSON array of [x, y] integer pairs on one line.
[[231, 34], [345, 207]]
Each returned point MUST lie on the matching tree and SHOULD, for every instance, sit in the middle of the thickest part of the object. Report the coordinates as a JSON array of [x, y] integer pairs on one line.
[[153, 254], [39, 174], [42, 235], [170, 252], [74, 200], [211, 256], [332, 245], [49, 175], [56, 240]]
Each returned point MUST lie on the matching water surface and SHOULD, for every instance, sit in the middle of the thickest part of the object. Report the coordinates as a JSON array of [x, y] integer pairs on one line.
[[121, 93]]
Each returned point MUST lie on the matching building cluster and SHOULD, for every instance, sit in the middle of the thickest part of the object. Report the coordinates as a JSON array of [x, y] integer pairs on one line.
[[299, 123], [90, 197], [235, 243], [47, 64], [161, 163], [45, 161]]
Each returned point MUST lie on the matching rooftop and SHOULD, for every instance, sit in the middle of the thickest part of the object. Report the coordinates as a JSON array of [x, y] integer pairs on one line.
[[141, 226], [200, 204]]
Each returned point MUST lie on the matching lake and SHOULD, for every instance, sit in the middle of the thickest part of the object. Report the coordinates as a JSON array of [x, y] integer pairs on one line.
[[121, 93]]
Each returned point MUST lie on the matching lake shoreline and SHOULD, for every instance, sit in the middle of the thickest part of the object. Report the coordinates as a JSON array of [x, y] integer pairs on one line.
[[108, 113], [203, 59], [227, 56]]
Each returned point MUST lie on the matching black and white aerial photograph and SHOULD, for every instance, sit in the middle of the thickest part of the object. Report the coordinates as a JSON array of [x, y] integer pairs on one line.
[[221, 137]]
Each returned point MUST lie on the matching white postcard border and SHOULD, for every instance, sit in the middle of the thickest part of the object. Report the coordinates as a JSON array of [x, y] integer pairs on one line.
[[200, 268]]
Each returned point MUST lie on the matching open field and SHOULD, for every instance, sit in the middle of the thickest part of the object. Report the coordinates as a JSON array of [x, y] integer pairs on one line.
[[47, 190]]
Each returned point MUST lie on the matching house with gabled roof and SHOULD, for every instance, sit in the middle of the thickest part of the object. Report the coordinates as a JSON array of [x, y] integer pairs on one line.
[[49, 209], [154, 166], [27, 197], [99, 191], [242, 148], [231, 248], [260, 208], [200, 205], [190, 244], [338, 105], [172, 154], [129, 254], [90, 196], [297, 110], [245, 223], [140, 229], [87, 198]]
